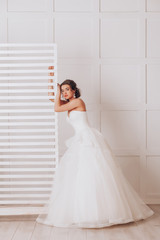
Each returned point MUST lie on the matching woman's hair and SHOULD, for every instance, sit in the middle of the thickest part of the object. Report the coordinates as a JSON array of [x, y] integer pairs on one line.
[[73, 86]]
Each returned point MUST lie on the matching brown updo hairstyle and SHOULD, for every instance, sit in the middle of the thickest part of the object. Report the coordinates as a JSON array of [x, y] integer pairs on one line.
[[73, 86]]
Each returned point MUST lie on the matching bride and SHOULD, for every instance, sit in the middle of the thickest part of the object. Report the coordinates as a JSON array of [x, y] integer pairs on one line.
[[89, 189]]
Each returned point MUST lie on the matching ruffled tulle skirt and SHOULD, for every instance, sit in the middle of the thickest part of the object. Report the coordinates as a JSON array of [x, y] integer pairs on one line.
[[90, 190]]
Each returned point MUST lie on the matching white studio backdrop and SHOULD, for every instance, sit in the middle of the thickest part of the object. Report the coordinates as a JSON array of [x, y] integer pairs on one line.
[[28, 127], [112, 51]]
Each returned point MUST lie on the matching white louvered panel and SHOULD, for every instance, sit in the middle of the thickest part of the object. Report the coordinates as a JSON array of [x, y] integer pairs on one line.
[[24, 169], [24, 91], [26, 71], [26, 183], [23, 195], [21, 210], [26, 58], [26, 110], [25, 84], [30, 176], [24, 98], [21, 105], [25, 189], [26, 163], [28, 117], [26, 123], [22, 202], [26, 137], [26, 78], [26, 149], [25, 143], [28, 127], [27, 52], [49, 130], [18, 65], [28, 156]]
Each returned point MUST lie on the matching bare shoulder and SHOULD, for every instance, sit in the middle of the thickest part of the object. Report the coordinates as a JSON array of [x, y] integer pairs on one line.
[[81, 104], [80, 101]]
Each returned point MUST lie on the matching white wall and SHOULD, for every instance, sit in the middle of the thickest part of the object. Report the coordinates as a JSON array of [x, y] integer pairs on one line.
[[112, 50]]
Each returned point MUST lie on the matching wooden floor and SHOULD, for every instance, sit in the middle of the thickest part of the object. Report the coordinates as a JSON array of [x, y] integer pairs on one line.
[[25, 228]]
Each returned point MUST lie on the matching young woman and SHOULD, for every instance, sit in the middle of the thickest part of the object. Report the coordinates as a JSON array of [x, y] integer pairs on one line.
[[89, 189]]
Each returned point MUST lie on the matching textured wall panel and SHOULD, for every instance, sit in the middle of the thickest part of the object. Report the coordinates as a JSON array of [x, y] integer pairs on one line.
[[153, 5], [153, 129], [29, 5], [153, 84], [122, 129], [153, 177], [120, 84], [119, 5], [74, 5], [33, 29], [153, 37], [76, 36], [120, 38]]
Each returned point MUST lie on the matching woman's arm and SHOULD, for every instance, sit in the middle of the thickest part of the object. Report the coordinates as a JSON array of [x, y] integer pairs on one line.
[[59, 107]]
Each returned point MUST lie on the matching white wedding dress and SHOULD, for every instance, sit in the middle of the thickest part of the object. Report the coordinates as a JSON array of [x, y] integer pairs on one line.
[[89, 189]]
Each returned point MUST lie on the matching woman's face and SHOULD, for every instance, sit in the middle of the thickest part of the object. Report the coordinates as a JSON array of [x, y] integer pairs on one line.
[[67, 91]]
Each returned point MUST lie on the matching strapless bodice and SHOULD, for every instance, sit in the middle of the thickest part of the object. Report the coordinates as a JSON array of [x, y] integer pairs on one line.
[[84, 133], [78, 119]]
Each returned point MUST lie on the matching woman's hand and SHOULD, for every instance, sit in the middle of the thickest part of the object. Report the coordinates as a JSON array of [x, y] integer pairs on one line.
[[51, 81]]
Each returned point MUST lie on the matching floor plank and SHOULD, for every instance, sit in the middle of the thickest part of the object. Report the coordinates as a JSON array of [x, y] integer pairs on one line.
[[150, 227], [95, 233], [8, 229], [59, 233], [131, 231], [116, 232], [77, 234], [148, 231], [41, 232], [24, 230], [155, 207]]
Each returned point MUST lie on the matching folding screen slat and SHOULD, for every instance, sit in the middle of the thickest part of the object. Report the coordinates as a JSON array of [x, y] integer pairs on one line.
[[28, 127]]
